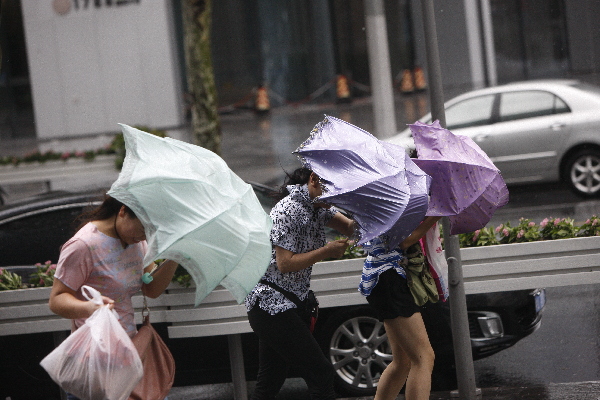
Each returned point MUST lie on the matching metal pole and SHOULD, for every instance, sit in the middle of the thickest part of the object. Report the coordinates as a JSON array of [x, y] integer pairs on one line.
[[459, 321], [380, 70], [436, 92], [488, 40], [461, 339], [238, 375]]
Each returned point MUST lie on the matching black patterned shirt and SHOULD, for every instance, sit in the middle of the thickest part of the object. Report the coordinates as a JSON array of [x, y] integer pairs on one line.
[[298, 227]]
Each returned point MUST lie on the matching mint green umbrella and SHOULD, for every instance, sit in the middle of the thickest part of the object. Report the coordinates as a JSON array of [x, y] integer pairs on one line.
[[195, 211]]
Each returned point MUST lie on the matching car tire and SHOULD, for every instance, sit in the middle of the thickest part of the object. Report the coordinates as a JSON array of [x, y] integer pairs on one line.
[[582, 173], [356, 344]]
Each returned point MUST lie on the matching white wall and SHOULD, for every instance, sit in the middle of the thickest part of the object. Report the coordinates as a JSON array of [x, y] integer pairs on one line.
[[93, 67]]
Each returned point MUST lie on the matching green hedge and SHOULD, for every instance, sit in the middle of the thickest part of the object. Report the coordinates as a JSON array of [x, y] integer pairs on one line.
[[529, 231], [117, 146], [525, 231]]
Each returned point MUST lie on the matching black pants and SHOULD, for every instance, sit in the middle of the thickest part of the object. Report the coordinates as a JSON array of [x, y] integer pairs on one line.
[[284, 340]]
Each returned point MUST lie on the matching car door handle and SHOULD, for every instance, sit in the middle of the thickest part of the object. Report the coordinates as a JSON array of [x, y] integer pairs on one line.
[[557, 126], [480, 137]]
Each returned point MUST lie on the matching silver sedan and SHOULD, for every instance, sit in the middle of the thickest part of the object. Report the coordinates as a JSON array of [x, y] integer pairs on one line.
[[534, 131]]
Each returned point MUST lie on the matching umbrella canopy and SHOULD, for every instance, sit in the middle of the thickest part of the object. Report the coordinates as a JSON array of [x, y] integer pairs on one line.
[[195, 211], [467, 187], [376, 182]]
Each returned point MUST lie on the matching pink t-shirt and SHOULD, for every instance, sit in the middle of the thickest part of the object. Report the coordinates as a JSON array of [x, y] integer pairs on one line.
[[100, 261]]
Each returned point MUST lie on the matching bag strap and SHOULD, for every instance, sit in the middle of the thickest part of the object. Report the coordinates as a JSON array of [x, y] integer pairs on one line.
[[289, 295], [145, 309]]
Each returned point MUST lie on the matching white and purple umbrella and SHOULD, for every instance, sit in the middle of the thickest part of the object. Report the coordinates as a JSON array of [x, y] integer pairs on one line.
[[196, 211], [466, 187], [375, 181]]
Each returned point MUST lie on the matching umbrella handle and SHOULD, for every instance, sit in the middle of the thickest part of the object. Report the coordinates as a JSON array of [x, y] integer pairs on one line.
[[147, 276]]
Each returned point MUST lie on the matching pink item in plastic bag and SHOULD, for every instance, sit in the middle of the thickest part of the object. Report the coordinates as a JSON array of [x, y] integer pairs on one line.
[[438, 267], [98, 361]]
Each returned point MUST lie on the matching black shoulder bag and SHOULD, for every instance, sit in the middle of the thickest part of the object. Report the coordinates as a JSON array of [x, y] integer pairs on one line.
[[309, 306]]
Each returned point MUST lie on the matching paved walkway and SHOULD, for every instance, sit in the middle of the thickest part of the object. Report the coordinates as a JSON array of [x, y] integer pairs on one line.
[[553, 391]]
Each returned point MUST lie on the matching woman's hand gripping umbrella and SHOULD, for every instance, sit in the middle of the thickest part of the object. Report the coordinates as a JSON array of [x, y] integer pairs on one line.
[[375, 181]]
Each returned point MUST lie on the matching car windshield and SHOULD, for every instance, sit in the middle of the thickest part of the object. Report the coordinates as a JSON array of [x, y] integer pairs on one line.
[[470, 112]]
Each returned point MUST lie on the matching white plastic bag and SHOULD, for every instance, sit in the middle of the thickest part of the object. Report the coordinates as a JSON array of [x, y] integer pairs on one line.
[[437, 260], [98, 361]]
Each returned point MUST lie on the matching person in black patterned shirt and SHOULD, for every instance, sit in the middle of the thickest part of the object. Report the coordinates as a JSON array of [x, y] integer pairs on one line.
[[298, 238]]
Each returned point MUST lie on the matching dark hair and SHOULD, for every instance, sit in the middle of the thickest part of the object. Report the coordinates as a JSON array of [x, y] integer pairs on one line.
[[300, 176], [109, 208]]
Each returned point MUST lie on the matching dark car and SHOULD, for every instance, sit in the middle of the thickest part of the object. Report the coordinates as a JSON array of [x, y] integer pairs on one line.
[[33, 232]]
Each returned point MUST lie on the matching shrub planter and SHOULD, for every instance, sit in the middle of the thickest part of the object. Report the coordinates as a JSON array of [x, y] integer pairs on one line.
[[486, 269], [548, 263], [73, 172]]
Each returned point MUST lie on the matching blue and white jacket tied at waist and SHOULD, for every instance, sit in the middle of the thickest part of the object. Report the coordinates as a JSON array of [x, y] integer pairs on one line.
[[378, 261]]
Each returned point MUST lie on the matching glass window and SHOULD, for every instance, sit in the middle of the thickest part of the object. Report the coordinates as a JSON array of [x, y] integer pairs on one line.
[[519, 105], [471, 112], [530, 39], [560, 106]]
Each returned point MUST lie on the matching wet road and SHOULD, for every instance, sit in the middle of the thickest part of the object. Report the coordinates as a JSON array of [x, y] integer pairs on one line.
[[260, 149], [539, 201], [565, 349]]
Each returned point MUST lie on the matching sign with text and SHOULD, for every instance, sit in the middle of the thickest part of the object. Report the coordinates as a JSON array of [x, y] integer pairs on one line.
[[96, 63]]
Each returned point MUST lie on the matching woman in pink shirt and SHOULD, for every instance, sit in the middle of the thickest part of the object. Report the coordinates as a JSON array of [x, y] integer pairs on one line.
[[107, 254]]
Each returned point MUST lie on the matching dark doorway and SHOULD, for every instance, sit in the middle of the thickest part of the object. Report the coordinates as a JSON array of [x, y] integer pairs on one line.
[[530, 39], [16, 107]]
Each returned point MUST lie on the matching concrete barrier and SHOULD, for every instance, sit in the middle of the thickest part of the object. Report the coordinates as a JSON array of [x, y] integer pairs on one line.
[[485, 269]]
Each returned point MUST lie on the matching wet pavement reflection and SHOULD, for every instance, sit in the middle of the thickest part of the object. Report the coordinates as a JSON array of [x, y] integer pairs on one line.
[[259, 148], [553, 391], [564, 391], [564, 349]]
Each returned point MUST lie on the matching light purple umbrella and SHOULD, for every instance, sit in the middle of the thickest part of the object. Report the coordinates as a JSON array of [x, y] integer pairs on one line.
[[375, 181], [466, 187]]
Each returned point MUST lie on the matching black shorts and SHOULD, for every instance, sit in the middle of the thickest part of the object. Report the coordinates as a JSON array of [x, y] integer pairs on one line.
[[391, 297]]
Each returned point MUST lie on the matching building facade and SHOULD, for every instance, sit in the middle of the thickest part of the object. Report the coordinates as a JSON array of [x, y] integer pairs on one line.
[[78, 67]]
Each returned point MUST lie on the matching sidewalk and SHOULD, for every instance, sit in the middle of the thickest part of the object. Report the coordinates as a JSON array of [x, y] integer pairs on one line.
[[552, 391]]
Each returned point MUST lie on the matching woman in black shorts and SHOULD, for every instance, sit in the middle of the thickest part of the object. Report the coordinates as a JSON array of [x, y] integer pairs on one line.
[[384, 284]]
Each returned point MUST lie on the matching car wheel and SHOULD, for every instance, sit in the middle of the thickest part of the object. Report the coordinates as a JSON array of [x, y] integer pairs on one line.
[[356, 344], [582, 173]]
